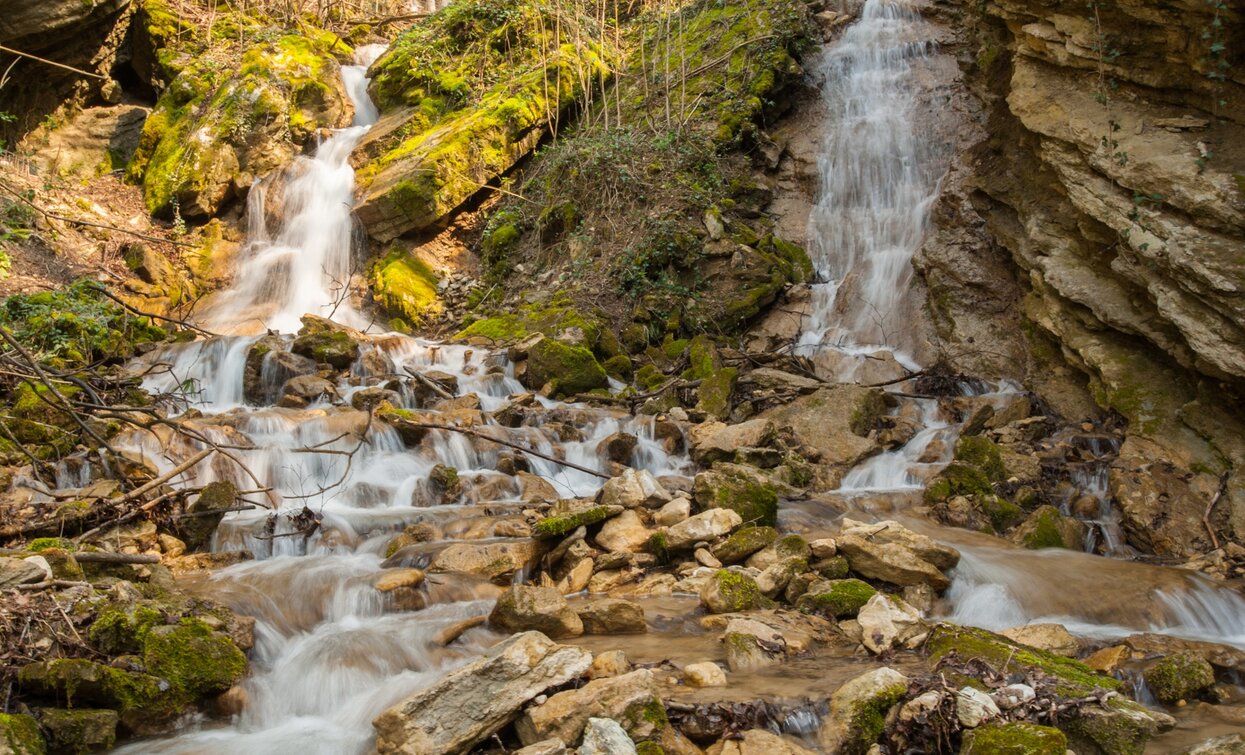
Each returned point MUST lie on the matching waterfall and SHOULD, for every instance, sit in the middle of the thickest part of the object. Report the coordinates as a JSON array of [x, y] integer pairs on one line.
[[307, 266], [877, 183]]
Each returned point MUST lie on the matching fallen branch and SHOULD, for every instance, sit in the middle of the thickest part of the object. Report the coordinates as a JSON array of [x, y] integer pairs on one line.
[[52, 63], [429, 383], [105, 226], [1223, 486], [134, 310]]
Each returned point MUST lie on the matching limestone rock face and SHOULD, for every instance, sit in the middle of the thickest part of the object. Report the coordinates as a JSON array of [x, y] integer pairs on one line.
[[477, 700]]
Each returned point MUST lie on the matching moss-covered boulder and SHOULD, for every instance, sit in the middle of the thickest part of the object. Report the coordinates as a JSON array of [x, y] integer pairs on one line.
[[741, 489], [958, 478], [982, 453], [1119, 727], [325, 343], [728, 591], [208, 510], [193, 658], [77, 682], [121, 629], [565, 369], [20, 735], [1047, 528], [858, 710], [405, 287], [558, 525], [1015, 738], [79, 730], [1180, 676], [838, 598], [463, 97], [743, 544], [213, 131], [714, 394]]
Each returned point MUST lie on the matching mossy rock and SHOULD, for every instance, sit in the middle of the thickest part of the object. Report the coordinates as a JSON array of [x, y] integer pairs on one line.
[[714, 394], [1047, 528], [1002, 513], [564, 524], [842, 598], [218, 496], [79, 730], [649, 378], [193, 658], [868, 410], [741, 490], [731, 592], [835, 567], [1073, 678], [703, 358], [1180, 676], [1015, 738], [404, 286], [958, 478], [77, 681], [567, 370], [122, 629], [494, 330], [982, 453], [20, 734], [743, 543], [618, 367], [328, 346]]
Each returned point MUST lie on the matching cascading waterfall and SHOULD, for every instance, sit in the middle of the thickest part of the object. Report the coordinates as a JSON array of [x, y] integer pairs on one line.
[[877, 183]]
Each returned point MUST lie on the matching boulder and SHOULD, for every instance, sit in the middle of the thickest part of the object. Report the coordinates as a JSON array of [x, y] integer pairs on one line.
[[1181, 676], [624, 533], [326, 342], [774, 579], [542, 609], [1047, 528], [974, 707], [716, 441], [858, 711], [562, 369], [742, 489], [674, 512], [757, 742], [618, 448], [607, 664], [752, 645], [728, 591], [473, 702], [743, 543], [886, 621], [20, 734], [835, 421], [564, 715], [943, 557], [605, 737], [890, 562], [22, 571], [1015, 738], [1013, 695], [1053, 638], [782, 549], [611, 616], [633, 488], [703, 527], [78, 730], [495, 560], [302, 390], [837, 598], [704, 674]]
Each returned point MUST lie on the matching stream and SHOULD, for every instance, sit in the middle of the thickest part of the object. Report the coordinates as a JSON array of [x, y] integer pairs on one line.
[[332, 652]]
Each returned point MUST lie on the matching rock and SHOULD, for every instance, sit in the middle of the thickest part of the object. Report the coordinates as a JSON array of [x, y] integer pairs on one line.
[[751, 645], [20, 734], [607, 664], [1015, 738], [823, 548], [21, 571], [546, 747], [858, 711], [674, 512], [565, 714], [326, 342], [743, 544], [370, 398], [1181, 676], [605, 737], [1053, 638], [543, 609], [837, 598], [716, 441], [791, 546], [618, 448], [564, 523], [633, 488], [942, 557], [774, 579], [611, 616], [890, 562], [706, 526], [563, 369], [393, 579], [744, 490], [1108, 659], [495, 560], [1047, 528], [757, 742], [705, 558], [770, 379], [1012, 695], [1229, 744], [473, 702], [835, 421], [80, 729], [886, 621], [704, 674], [974, 707], [727, 591], [624, 533]]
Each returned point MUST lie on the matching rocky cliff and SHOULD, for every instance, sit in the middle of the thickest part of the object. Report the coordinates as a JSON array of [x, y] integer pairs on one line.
[[1109, 170]]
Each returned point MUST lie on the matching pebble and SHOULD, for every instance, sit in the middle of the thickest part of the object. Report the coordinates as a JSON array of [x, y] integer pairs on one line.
[[705, 558]]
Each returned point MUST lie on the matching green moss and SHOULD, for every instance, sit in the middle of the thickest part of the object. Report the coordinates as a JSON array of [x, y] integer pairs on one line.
[[1075, 678], [567, 370], [81, 730], [193, 658], [77, 681], [743, 543], [618, 367], [739, 591], [983, 453], [495, 330], [1016, 738], [1002, 513], [958, 478], [43, 543], [1044, 530], [658, 544], [649, 378], [714, 394], [20, 733], [703, 356], [868, 719], [754, 500], [868, 410], [122, 629], [405, 286], [1180, 676], [845, 597], [835, 567], [327, 346], [563, 524]]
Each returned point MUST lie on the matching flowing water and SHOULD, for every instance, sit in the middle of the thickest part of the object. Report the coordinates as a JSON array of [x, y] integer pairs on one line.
[[332, 651]]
